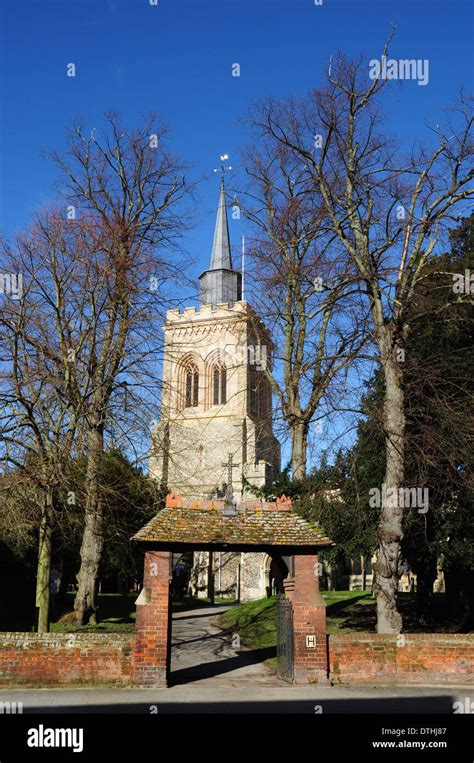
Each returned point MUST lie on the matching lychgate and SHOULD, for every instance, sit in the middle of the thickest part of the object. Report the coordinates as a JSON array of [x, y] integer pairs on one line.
[[188, 524]]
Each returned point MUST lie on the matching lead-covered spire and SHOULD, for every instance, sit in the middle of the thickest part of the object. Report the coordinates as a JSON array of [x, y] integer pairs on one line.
[[221, 256], [221, 283]]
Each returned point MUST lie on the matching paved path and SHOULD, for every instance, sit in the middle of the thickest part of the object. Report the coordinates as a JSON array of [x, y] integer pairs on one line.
[[202, 653]]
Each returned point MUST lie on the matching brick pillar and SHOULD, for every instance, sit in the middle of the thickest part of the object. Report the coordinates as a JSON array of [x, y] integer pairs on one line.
[[153, 622], [309, 619]]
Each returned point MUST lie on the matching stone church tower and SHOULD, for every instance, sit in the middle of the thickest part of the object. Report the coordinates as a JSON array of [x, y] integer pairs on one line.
[[216, 417]]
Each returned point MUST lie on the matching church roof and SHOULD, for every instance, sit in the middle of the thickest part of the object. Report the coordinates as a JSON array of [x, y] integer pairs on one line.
[[203, 523]]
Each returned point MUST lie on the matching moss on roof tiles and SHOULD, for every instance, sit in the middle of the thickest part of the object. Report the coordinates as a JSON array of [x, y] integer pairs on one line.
[[202, 525]]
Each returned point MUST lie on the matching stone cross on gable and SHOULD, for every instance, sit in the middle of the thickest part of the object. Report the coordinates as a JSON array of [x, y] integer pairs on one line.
[[230, 507]]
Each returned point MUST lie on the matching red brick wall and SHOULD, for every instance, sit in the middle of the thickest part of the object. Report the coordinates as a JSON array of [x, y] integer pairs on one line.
[[95, 658], [407, 658], [65, 658]]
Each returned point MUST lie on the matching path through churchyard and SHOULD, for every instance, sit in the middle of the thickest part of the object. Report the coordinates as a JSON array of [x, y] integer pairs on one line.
[[202, 652]]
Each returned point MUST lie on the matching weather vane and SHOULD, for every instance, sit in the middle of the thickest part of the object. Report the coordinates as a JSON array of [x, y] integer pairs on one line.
[[223, 168]]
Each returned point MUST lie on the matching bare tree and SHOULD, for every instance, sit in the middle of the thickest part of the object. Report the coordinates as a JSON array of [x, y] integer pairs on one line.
[[306, 289], [128, 183], [390, 213], [38, 427], [96, 298]]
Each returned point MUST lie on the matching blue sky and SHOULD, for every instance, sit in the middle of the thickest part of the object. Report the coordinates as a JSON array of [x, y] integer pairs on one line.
[[175, 58]]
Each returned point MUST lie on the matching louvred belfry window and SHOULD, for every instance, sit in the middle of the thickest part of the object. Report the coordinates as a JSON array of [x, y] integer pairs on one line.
[[219, 386], [259, 393], [192, 387], [253, 391]]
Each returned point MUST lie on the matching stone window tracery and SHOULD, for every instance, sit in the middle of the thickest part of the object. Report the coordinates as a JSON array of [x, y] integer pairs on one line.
[[219, 385], [192, 386]]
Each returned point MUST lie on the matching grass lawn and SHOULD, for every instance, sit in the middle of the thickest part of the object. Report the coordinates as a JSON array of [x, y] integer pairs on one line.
[[254, 621], [346, 611]]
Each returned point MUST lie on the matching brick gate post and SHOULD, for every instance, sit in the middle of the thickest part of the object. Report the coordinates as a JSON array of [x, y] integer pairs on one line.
[[153, 622], [309, 620]]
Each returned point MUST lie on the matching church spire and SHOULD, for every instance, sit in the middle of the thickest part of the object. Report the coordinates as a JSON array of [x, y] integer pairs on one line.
[[221, 255], [221, 283]]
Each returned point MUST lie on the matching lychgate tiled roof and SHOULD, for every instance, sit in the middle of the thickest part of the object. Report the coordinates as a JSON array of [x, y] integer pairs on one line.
[[255, 523]]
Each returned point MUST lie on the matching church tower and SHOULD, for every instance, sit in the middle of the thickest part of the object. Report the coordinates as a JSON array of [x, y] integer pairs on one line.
[[216, 419], [216, 397]]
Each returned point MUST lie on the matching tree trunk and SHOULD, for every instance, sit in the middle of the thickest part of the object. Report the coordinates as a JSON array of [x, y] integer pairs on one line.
[[85, 604], [299, 445], [390, 531], [43, 571]]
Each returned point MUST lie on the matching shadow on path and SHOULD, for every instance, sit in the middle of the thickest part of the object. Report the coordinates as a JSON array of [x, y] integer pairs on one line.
[[397, 705], [212, 669]]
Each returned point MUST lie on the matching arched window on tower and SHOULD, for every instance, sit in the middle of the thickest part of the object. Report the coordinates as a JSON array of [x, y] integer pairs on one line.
[[253, 391], [219, 386], [192, 386], [259, 393], [264, 392]]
